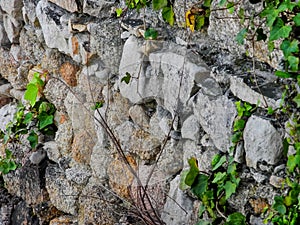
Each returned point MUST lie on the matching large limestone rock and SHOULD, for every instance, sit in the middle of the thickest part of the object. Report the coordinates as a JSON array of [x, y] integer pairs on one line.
[[216, 117], [54, 23], [70, 5], [263, 143], [63, 193], [178, 209]]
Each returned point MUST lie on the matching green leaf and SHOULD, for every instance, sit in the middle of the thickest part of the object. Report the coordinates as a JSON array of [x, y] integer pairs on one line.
[[182, 185], [151, 34], [279, 205], [297, 100], [207, 3], [168, 15], [97, 105], [201, 210], [271, 46], [241, 14], [37, 80], [8, 153], [159, 4], [193, 172], [271, 14], [203, 222], [283, 74], [236, 219], [293, 63], [293, 162], [297, 19], [285, 6], [241, 36], [229, 188], [199, 21], [119, 12], [236, 137], [126, 78], [230, 7], [33, 139], [45, 120], [222, 2], [31, 93], [221, 161], [219, 177], [289, 47], [28, 118], [279, 30], [200, 185], [239, 125]]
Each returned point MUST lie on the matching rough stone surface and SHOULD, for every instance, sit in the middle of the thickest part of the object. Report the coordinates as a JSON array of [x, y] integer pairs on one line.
[[216, 117], [263, 142], [173, 214], [69, 5], [179, 103], [62, 192]]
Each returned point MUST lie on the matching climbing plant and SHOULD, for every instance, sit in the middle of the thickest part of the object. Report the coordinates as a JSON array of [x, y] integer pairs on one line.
[[30, 120]]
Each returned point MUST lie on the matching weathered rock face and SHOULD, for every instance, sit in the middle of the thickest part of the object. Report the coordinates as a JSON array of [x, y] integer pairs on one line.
[[174, 105]]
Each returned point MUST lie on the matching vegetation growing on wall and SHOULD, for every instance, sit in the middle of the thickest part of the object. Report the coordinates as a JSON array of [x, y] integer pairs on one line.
[[30, 120]]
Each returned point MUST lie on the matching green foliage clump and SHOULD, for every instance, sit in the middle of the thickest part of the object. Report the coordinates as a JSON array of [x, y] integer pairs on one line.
[[36, 118], [214, 189]]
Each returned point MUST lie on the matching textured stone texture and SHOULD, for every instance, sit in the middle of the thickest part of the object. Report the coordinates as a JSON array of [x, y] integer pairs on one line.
[[263, 142], [216, 117], [84, 50], [69, 5]]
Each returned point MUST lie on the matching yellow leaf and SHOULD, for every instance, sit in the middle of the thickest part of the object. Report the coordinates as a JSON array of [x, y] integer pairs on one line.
[[190, 20]]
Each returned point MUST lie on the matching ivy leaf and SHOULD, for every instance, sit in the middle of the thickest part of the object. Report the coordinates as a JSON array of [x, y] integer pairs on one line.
[[220, 176], [168, 15], [200, 185], [297, 19], [241, 14], [126, 78], [229, 188], [230, 7], [193, 172], [151, 34], [97, 105], [293, 162], [159, 4], [8, 154], [33, 139], [293, 63], [279, 30], [199, 22], [44, 120], [236, 137], [207, 3], [28, 117], [283, 74], [31, 93], [271, 14], [219, 163], [297, 100], [182, 185], [279, 205], [286, 5], [289, 47], [239, 125], [222, 2], [236, 219], [241, 36], [119, 12]]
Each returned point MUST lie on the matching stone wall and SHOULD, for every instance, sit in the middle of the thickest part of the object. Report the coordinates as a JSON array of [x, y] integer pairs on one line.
[[179, 103]]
